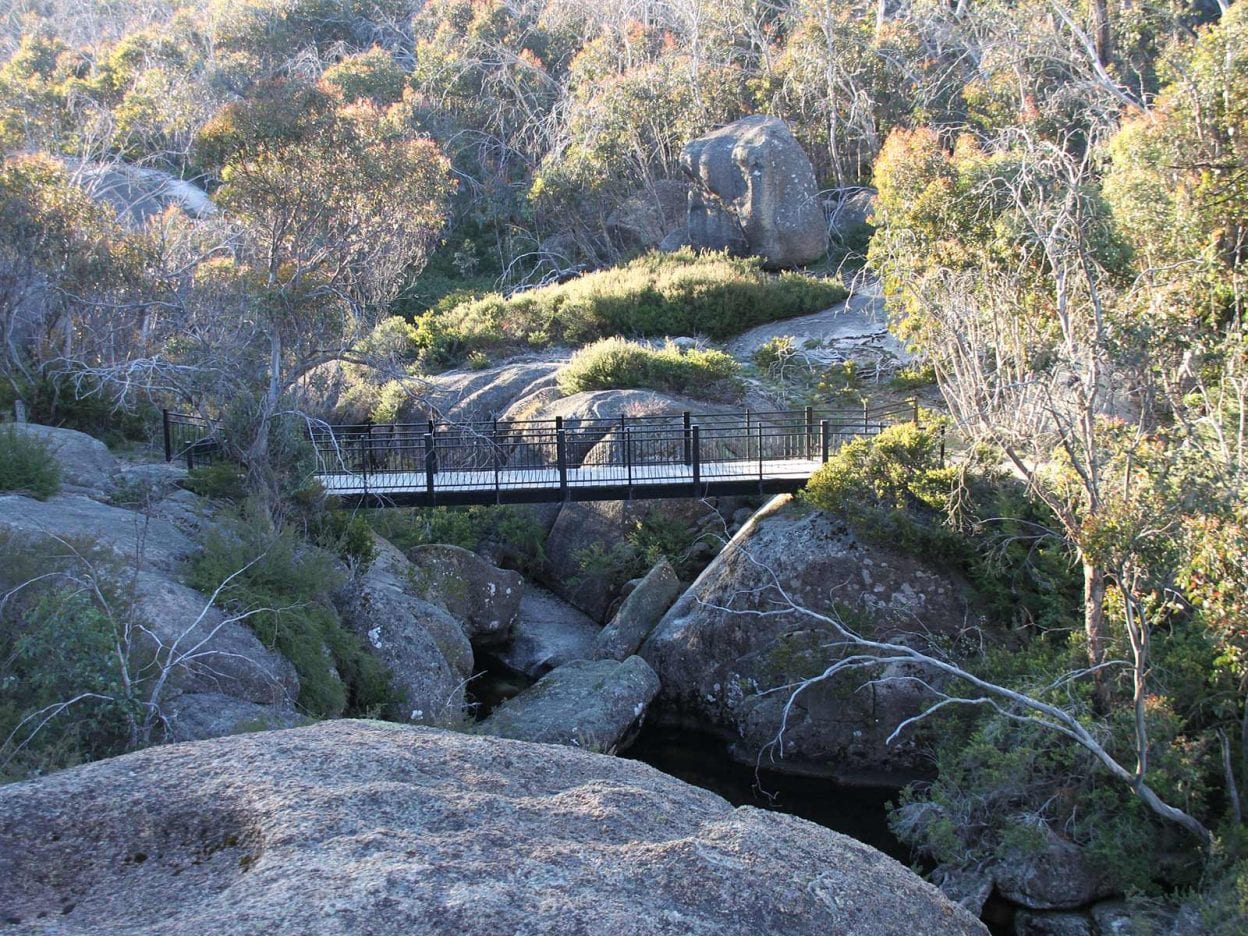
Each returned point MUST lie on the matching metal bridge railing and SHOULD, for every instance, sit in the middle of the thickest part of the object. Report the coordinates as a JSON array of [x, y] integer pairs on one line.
[[191, 437], [560, 455], [650, 450]]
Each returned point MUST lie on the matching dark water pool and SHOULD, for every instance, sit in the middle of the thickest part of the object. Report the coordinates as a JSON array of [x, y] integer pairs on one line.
[[702, 760]]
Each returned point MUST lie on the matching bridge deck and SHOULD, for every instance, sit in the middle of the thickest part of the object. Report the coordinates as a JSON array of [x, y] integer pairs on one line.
[[590, 482]]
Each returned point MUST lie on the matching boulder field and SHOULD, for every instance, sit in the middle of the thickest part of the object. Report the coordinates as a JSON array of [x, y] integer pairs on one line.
[[366, 827]]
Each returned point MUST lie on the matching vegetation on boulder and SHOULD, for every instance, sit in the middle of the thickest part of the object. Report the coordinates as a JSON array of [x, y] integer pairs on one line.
[[617, 364]]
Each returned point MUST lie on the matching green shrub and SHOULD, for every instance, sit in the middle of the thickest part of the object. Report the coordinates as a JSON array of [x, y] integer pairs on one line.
[[913, 377], [284, 584], [651, 538], [56, 402], [1002, 782], [773, 352], [514, 530], [681, 293], [892, 489], [614, 363], [345, 533], [58, 644], [55, 647], [26, 465], [222, 481], [895, 471]]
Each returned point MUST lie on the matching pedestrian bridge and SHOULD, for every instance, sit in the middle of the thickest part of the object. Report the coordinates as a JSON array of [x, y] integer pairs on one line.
[[526, 461]]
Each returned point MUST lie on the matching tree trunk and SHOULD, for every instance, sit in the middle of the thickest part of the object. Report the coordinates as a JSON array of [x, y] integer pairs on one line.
[[1094, 628], [1101, 36]]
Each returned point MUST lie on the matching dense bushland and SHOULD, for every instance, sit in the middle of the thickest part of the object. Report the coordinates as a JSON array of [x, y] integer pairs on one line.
[[61, 696]]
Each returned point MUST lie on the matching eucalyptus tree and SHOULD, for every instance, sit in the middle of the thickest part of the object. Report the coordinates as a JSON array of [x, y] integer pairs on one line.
[[335, 208]]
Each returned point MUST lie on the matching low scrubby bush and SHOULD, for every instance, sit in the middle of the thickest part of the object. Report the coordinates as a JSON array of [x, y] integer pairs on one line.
[[26, 465], [59, 402], [284, 584], [681, 293], [615, 364], [64, 695]]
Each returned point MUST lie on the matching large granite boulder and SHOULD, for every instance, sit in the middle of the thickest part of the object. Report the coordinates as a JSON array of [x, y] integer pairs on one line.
[[139, 193], [424, 646], [726, 648], [849, 212], [754, 194], [482, 597], [87, 466], [548, 633], [1058, 876], [641, 611], [206, 651], [146, 543], [349, 392], [596, 704], [362, 827], [196, 716], [460, 396]]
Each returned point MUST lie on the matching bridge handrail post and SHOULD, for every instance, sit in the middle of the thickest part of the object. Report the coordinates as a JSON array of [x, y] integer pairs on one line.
[[695, 456], [688, 437], [366, 448], [431, 465], [810, 429], [760, 453], [561, 456], [866, 418], [496, 458], [628, 458], [164, 415], [825, 438]]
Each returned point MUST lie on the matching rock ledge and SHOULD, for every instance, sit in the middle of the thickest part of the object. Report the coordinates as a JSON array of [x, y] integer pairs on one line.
[[364, 827]]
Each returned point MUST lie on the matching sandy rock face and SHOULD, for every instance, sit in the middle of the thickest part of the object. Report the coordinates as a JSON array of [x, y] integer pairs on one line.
[[754, 193], [718, 659], [360, 827]]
